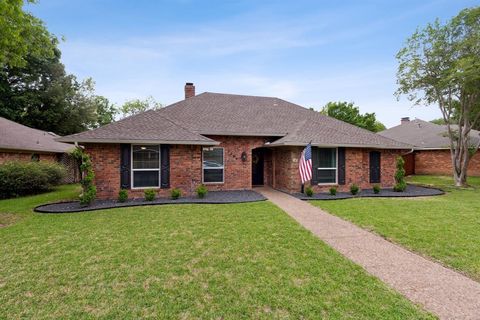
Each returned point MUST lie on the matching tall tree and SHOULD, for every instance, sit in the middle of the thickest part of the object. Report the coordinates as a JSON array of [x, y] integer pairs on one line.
[[348, 112], [43, 96], [135, 106], [440, 65], [22, 35]]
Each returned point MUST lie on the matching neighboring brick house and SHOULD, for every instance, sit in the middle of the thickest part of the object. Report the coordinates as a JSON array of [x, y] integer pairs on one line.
[[233, 142], [431, 152], [21, 143]]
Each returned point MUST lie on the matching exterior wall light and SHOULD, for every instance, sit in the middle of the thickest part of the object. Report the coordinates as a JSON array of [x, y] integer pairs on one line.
[[244, 156]]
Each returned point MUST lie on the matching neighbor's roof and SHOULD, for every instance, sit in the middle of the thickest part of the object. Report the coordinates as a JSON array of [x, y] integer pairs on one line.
[[14, 136], [210, 114], [424, 135]]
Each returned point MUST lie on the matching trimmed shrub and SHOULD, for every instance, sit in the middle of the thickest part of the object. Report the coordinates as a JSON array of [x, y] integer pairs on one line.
[[376, 189], [175, 193], [24, 178], [400, 185], [354, 189], [309, 191], [149, 194], [201, 191], [333, 191], [122, 195]]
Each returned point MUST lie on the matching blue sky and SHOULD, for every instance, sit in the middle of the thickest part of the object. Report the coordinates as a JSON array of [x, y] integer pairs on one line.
[[307, 52]]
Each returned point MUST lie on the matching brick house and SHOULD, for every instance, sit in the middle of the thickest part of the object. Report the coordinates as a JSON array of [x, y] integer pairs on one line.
[[232, 142], [431, 152], [21, 143]]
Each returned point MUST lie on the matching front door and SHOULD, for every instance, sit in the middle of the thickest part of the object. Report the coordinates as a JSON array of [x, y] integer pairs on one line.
[[257, 167], [375, 167]]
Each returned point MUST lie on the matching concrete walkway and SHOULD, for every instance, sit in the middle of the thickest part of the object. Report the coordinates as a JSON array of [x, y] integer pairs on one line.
[[439, 290]]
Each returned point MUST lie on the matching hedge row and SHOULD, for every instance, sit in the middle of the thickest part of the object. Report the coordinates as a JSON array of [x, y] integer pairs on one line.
[[24, 178]]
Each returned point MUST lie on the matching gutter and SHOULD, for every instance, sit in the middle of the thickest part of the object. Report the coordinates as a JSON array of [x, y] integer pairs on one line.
[[182, 142], [298, 144]]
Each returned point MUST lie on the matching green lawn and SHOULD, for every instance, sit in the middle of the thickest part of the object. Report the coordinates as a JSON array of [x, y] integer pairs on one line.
[[182, 262], [446, 227]]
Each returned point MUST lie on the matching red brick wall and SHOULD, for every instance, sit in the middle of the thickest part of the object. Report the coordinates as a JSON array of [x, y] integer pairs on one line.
[[440, 162], [6, 156], [238, 174], [280, 169], [285, 164], [357, 169], [185, 167]]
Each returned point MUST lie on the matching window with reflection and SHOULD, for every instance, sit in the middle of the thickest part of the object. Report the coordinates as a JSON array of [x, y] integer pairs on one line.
[[212, 165], [145, 166], [327, 165]]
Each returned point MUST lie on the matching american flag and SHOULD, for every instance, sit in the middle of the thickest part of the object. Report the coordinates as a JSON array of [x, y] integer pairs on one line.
[[305, 164]]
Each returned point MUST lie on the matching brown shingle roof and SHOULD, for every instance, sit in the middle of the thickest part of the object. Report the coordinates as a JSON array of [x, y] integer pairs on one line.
[[228, 114], [146, 127], [14, 136], [424, 135]]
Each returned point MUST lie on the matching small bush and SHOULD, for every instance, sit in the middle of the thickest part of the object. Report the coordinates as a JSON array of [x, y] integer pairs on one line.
[[175, 193], [122, 195], [333, 191], [309, 191], [149, 194], [376, 189], [24, 178], [202, 191], [400, 186], [354, 189]]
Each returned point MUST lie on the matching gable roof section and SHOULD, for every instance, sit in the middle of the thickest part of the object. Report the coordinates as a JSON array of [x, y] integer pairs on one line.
[[424, 135], [14, 136], [146, 127], [210, 114]]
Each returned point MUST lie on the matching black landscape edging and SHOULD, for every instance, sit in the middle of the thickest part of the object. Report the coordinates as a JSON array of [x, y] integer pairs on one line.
[[213, 197], [410, 192]]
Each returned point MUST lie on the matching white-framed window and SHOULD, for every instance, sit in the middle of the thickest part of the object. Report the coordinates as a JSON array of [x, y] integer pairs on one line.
[[327, 166], [145, 166], [212, 165]]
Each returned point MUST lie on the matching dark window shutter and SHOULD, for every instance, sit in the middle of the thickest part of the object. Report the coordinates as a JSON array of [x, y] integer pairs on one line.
[[341, 166], [165, 166], [125, 165], [375, 167], [315, 163]]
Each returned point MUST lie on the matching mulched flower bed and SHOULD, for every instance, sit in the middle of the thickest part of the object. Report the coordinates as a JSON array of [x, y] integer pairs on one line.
[[411, 191], [213, 197]]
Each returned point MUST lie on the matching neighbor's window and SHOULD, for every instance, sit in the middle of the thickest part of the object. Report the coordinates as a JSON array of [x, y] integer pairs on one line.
[[145, 166], [212, 165], [327, 165], [35, 157]]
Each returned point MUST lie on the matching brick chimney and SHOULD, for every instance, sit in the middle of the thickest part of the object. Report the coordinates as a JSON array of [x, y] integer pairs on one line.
[[189, 90], [404, 120]]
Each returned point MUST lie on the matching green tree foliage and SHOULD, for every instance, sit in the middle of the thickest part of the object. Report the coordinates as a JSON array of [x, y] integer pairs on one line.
[[440, 65], [43, 96], [350, 113], [22, 35], [136, 106], [439, 121]]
